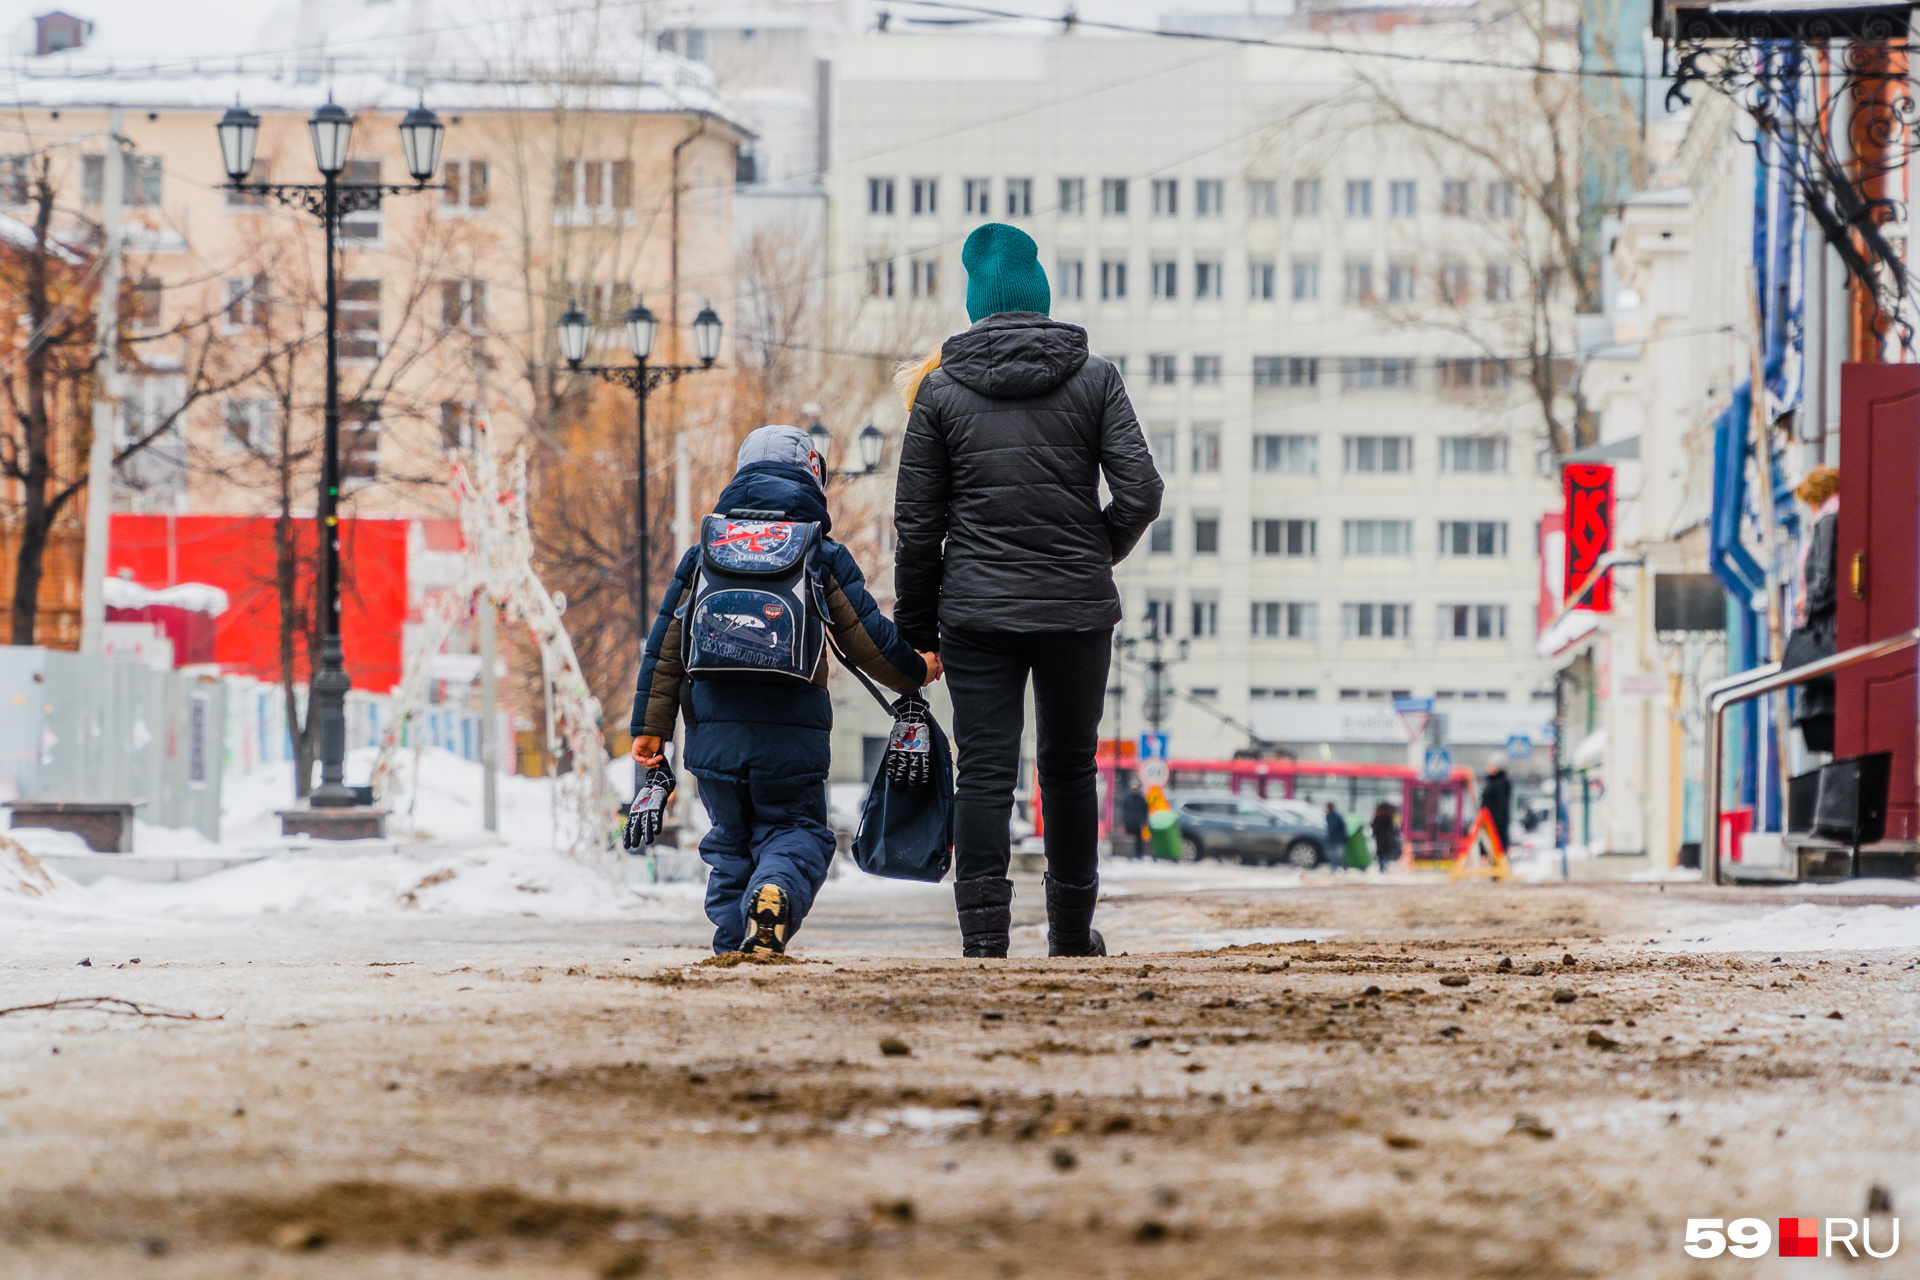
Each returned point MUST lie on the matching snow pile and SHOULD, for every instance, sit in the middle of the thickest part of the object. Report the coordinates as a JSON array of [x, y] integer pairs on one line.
[[22, 876], [1810, 927]]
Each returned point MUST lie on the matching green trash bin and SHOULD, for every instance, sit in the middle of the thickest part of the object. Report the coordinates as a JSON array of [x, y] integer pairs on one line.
[[1359, 855], [1163, 831]]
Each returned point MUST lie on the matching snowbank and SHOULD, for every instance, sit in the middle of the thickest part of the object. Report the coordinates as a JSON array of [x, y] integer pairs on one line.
[[1809, 927]]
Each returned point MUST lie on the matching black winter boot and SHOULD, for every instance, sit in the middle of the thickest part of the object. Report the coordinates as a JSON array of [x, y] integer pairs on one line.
[[1070, 919], [986, 915]]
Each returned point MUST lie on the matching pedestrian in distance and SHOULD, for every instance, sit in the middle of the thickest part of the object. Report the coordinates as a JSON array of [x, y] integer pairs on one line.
[[1386, 835], [1496, 797], [1005, 567], [1336, 839], [1133, 816], [1817, 607], [759, 744]]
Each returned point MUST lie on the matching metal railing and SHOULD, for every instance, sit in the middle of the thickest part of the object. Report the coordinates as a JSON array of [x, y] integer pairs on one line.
[[1745, 687]]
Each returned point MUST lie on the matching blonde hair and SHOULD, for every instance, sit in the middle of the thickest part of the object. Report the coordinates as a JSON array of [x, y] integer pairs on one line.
[[1817, 486], [911, 373]]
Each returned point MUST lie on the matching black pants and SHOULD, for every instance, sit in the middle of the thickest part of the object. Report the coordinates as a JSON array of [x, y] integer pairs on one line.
[[987, 676]]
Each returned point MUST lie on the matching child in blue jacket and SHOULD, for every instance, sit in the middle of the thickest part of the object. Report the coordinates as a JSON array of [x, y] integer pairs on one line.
[[761, 751]]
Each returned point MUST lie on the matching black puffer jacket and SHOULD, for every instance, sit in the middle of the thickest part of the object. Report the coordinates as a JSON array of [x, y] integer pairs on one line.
[[998, 505]]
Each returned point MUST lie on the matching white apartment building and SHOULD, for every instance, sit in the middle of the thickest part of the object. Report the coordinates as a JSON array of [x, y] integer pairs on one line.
[[1353, 494]]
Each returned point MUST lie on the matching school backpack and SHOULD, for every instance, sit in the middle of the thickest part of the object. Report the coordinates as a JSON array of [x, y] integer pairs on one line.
[[754, 612]]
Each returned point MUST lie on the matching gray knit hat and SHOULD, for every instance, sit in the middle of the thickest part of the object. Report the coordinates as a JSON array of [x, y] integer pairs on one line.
[[790, 445]]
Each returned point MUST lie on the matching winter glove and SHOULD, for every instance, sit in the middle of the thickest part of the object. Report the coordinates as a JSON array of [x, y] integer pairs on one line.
[[649, 809], [909, 758]]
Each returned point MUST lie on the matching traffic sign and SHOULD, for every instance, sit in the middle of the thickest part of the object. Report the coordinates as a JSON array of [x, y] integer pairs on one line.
[[1154, 772], [1438, 764], [1153, 746], [1414, 714], [1519, 747]]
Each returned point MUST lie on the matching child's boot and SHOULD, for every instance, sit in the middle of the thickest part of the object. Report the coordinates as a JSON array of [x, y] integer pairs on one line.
[[986, 916], [769, 920], [1070, 919]]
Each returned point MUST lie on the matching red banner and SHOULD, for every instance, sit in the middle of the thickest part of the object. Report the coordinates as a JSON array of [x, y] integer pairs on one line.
[[1589, 516]]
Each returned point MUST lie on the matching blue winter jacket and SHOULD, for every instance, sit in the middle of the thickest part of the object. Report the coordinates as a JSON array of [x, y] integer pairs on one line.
[[775, 734]]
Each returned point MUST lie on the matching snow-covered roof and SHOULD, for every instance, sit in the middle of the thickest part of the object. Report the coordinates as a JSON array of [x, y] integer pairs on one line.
[[195, 597], [21, 236], [369, 54]]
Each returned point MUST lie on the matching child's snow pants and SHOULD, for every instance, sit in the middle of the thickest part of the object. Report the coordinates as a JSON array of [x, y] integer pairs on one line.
[[762, 833]]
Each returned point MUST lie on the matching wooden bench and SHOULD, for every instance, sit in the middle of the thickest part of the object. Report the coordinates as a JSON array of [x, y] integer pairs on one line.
[[106, 825]]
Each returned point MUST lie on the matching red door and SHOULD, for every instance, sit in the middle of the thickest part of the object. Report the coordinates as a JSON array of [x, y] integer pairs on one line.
[[1879, 547]]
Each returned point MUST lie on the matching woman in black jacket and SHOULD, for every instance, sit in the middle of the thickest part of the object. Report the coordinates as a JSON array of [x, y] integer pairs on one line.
[[1005, 567]]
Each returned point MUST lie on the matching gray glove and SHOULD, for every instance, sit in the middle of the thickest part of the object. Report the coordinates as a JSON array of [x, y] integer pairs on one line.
[[649, 809], [909, 758]]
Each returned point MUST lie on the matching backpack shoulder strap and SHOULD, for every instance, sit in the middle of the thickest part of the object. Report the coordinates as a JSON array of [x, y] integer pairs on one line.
[[826, 621]]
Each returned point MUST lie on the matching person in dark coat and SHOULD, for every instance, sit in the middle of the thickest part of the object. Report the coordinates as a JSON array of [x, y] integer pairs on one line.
[[1133, 816], [1386, 835], [1496, 797], [1819, 604], [1005, 566], [761, 750], [1336, 838]]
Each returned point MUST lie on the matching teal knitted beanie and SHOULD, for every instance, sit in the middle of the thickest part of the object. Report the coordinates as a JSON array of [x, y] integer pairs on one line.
[[1003, 272]]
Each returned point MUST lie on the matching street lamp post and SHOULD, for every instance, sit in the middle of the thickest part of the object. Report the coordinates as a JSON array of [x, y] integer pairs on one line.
[[641, 378], [870, 441], [330, 130]]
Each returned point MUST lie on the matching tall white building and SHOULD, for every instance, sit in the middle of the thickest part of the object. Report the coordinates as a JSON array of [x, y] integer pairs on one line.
[[1353, 490]]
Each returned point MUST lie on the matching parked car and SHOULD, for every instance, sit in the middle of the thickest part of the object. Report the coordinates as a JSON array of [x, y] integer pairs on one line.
[[1221, 825]]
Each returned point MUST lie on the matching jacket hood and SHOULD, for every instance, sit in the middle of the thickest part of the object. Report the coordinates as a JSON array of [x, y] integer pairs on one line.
[[1014, 355], [776, 486]]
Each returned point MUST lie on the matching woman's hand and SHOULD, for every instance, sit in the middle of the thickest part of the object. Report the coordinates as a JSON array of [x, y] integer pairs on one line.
[[934, 669], [646, 750]]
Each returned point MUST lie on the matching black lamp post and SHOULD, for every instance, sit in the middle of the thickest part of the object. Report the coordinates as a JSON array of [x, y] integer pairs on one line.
[[330, 130], [640, 377], [870, 442]]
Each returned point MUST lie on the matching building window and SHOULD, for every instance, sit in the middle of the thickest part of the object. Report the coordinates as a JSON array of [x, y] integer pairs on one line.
[[1160, 444], [1119, 364], [1072, 280], [463, 305], [1161, 371], [976, 194], [1160, 538], [457, 419], [1284, 538], [262, 171], [1206, 620], [359, 319], [1113, 281], [1360, 198], [1209, 197], [1206, 535], [1454, 198], [880, 278], [1375, 621], [1113, 197], [251, 425], [1287, 455], [140, 303], [1400, 200], [926, 196], [1499, 282], [1376, 537], [1166, 280], [1306, 280], [1473, 455], [1260, 281], [592, 186], [1263, 198], [1284, 620], [880, 195], [1378, 453], [362, 229], [1306, 198], [1478, 538], [1073, 197], [1206, 371], [466, 185], [1359, 281], [360, 440], [248, 303], [1166, 197], [1500, 200], [1205, 451], [16, 180], [1400, 282], [1289, 695], [1473, 622], [1019, 197], [1456, 289], [140, 186], [1367, 373], [1159, 617], [925, 277], [1207, 281]]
